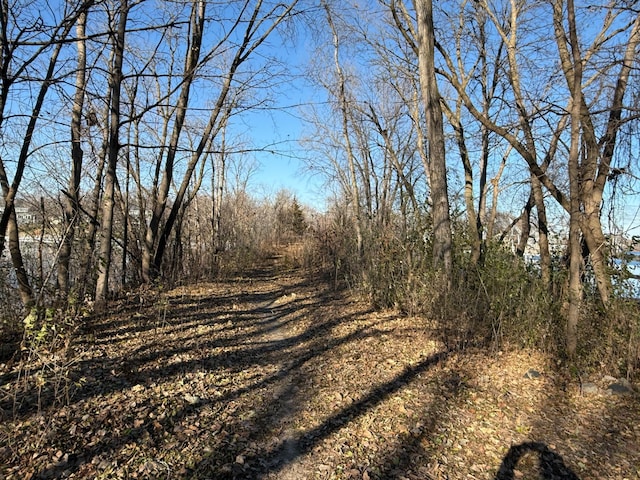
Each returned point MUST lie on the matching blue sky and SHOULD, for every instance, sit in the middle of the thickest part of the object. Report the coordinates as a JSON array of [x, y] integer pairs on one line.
[[279, 129]]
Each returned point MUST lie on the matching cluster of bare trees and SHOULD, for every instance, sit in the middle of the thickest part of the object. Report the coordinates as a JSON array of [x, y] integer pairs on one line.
[[438, 120], [126, 103], [539, 104]]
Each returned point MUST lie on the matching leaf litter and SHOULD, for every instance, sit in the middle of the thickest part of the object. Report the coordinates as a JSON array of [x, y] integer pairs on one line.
[[280, 377]]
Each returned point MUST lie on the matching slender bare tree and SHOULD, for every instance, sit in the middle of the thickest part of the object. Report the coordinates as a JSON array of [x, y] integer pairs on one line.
[[20, 63], [71, 200], [344, 108], [118, 35], [442, 236], [254, 25]]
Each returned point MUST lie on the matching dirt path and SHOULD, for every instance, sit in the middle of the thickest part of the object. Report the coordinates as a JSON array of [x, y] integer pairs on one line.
[[285, 389], [275, 376]]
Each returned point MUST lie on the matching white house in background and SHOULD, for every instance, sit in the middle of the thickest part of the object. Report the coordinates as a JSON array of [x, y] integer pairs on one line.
[[24, 215]]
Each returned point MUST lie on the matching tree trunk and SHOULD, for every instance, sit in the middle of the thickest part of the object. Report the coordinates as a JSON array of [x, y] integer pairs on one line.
[[575, 250], [543, 232], [24, 286], [71, 200], [474, 225], [442, 237], [218, 188], [106, 230], [525, 227], [344, 117], [87, 279]]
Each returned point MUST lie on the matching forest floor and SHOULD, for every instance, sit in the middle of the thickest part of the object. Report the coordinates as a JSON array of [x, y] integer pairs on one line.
[[274, 375]]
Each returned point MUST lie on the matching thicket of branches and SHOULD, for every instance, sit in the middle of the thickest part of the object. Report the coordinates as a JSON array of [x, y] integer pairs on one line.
[[540, 112], [460, 139]]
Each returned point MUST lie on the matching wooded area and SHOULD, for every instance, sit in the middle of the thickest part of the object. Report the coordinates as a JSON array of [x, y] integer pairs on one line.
[[482, 159]]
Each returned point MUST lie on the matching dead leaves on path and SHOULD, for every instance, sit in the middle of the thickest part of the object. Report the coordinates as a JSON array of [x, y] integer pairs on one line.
[[284, 379]]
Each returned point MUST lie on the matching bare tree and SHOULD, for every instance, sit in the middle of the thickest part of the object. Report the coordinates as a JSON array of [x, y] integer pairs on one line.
[[344, 109], [254, 24], [113, 151], [589, 162], [592, 172], [442, 237], [535, 108], [574, 297], [23, 46], [71, 199]]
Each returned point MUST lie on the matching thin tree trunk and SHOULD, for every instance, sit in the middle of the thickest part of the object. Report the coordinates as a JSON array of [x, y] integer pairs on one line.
[[125, 234], [87, 280], [495, 185], [106, 230], [473, 219], [442, 236], [344, 116], [575, 249], [71, 200], [24, 286], [218, 185], [543, 232], [525, 227]]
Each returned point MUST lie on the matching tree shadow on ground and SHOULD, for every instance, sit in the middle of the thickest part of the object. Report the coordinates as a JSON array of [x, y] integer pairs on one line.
[[410, 457], [249, 350], [269, 460], [174, 310], [235, 345], [270, 355]]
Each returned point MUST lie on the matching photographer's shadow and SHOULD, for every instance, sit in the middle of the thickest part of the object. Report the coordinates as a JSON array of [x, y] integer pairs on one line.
[[550, 464]]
